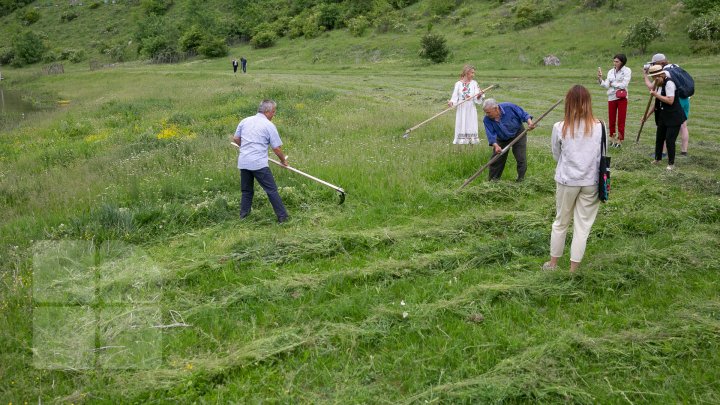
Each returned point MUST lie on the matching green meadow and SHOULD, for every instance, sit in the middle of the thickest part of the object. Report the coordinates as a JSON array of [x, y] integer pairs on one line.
[[126, 275]]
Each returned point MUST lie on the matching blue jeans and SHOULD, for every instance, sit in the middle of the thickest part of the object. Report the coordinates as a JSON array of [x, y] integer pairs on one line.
[[267, 182]]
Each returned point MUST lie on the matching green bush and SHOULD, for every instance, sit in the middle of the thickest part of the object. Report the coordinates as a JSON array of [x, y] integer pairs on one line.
[[706, 27], [392, 21], [30, 17], [434, 47], [311, 26], [642, 33], [263, 39], [529, 15], [50, 56], [28, 48], [191, 39], [94, 5], [699, 7], [6, 55], [213, 47], [358, 25], [73, 55], [117, 53], [156, 7], [441, 7], [68, 16]]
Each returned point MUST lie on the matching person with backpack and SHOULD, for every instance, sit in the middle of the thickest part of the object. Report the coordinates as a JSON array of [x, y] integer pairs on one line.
[[686, 88], [669, 114]]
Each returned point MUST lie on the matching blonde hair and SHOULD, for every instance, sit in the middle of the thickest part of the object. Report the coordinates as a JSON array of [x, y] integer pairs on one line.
[[578, 108], [466, 69]]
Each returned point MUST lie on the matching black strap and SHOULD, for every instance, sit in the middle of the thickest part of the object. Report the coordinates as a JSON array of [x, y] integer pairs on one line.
[[603, 142]]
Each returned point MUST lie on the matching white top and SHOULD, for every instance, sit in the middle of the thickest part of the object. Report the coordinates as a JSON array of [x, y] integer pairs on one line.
[[256, 133], [616, 80], [670, 88], [578, 157], [461, 90]]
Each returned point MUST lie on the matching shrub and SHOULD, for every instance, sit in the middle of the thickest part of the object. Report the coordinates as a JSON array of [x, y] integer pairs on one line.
[[529, 15], [263, 39], [191, 40], [706, 27], [358, 25], [705, 47], [30, 17], [434, 47], [311, 26], [68, 16], [94, 5], [642, 33], [156, 7], [390, 22], [329, 15], [441, 7], [6, 55], [699, 7], [213, 47], [117, 52], [50, 57], [73, 55], [28, 48]]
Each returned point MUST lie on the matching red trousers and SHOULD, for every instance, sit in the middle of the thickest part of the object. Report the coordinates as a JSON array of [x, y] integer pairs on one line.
[[617, 109]]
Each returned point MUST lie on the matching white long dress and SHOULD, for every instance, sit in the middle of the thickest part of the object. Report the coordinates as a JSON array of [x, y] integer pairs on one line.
[[466, 116]]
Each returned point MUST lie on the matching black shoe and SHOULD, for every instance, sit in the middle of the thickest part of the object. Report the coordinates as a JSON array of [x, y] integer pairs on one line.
[[683, 154], [520, 179], [282, 220], [244, 215]]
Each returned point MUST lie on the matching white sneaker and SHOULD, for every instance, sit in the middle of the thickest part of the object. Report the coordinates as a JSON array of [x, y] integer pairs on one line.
[[670, 167]]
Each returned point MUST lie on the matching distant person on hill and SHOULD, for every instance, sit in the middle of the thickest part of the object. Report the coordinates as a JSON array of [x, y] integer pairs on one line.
[[466, 117], [243, 63], [576, 147], [235, 65], [669, 114], [253, 135], [618, 79], [503, 122], [660, 59]]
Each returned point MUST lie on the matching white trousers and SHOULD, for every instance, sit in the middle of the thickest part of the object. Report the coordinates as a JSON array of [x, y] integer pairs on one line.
[[580, 204]]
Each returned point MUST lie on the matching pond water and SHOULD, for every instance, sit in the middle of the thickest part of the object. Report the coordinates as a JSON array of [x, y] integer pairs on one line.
[[12, 101], [14, 107]]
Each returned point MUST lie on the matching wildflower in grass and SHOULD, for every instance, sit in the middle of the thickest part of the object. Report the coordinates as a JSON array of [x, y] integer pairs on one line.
[[96, 137], [169, 132]]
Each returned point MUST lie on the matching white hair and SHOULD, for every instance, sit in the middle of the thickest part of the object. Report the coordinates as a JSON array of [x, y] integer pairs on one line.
[[266, 106], [489, 103]]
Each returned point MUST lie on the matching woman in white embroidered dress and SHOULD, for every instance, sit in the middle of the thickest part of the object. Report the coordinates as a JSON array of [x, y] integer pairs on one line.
[[466, 118]]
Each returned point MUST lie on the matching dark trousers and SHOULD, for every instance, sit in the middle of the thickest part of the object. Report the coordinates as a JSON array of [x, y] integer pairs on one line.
[[519, 150], [668, 136], [244, 67], [267, 182], [617, 109]]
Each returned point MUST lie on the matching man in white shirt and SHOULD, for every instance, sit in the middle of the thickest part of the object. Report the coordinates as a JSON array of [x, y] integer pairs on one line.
[[253, 135]]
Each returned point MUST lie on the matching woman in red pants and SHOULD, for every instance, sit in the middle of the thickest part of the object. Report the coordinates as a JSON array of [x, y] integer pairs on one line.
[[618, 79]]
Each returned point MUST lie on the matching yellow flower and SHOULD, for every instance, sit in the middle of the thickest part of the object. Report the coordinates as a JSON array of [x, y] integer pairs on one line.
[[188, 366]]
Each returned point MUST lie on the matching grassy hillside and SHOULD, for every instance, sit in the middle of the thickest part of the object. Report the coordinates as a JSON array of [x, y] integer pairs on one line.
[[126, 275]]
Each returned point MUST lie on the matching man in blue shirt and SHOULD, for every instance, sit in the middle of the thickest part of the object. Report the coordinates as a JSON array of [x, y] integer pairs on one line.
[[253, 136], [503, 122]]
